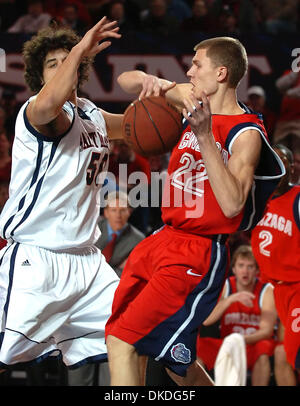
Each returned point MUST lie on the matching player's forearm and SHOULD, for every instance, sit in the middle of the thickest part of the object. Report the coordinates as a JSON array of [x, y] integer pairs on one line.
[[132, 81], [218, 311], [261, 334], [58, 89], [226, 188]]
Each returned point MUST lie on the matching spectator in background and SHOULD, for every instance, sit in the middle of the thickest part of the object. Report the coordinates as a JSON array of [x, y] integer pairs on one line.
[[200, 19], [9, 103], [9, 13], [70, 19], [118, 237], [2, 120], [33, 21], [257, 102], [126, 12], [228, 23], [122, 154], [246, 307], [5, 157], [279, 16], [295, 176], [178, 9], [157, 21], [287, 130], [116, 11], [56, 8], [243, 10]]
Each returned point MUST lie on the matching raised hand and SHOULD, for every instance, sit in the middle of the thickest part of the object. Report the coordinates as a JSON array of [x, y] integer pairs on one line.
[[198, 115], [90, 44]]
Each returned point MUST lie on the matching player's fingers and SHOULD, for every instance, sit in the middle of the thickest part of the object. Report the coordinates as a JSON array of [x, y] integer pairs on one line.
[[205, 103], [103, 46], [190, 106], [168, 87], [106, 34], [152, 87], [99, 24], [108, 27]]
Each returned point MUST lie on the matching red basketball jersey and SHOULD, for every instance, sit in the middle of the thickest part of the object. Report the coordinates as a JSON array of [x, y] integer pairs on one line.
[[239, 318], [276, 238], [188, 200]]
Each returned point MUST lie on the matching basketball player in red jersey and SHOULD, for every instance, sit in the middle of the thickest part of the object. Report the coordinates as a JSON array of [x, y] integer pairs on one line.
[[275, 243], [246, 307], [217, 181]]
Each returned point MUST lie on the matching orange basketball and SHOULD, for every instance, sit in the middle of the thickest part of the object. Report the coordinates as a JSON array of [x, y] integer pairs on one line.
[[151, 126]]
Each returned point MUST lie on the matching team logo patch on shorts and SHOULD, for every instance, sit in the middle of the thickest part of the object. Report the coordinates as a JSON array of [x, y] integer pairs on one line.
[[180, 353]]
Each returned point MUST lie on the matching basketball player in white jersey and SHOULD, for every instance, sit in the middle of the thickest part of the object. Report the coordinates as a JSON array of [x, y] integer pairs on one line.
[[56, 289]]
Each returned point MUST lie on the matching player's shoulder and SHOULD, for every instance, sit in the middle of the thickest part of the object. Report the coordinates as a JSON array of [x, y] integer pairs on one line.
[[86, 104]]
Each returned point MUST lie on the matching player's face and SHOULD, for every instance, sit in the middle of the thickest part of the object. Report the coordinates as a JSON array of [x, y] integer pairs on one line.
[[203, 74], [245, 270], [117, 215], [52, 62]]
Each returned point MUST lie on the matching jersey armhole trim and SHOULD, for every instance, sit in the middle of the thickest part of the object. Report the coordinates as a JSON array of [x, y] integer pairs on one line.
[[262, 294], [42, 137], [279, 162], [296, 210]]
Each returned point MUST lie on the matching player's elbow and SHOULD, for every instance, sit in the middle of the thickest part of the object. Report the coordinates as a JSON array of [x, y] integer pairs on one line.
[[232, 210], [42, 112]]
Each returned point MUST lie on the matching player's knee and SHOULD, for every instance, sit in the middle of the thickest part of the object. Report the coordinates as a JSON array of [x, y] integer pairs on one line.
[[262, 361], [279, 355]]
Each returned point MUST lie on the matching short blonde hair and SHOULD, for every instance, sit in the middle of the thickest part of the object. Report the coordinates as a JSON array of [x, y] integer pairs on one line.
[[244, 251], [228, 52]]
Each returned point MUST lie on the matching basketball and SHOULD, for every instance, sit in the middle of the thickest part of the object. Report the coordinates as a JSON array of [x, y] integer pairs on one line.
[[151, 126]]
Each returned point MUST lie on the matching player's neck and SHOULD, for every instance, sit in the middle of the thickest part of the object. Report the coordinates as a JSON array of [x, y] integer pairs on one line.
[[73, 97], [225, 103]]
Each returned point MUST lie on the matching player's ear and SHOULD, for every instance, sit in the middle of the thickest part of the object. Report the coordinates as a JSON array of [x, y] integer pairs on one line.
[[222, 73]]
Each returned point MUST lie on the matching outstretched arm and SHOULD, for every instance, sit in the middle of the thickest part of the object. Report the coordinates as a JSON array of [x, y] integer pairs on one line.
[[142, 84]]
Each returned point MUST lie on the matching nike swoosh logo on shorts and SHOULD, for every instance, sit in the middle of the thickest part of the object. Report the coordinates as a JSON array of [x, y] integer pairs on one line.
[[189, 272]]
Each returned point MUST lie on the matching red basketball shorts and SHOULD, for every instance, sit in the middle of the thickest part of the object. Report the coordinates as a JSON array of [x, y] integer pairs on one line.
[[287, 301], [208, 348], [170, 284]]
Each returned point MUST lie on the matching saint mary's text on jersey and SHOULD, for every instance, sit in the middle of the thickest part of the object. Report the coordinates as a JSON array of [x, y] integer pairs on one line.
[[92, 139]]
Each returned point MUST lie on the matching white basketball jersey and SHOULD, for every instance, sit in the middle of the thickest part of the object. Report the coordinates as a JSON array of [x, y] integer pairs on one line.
[[54, 199]]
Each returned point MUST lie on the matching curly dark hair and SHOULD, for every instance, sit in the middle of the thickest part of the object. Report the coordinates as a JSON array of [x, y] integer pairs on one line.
[[36, 49]]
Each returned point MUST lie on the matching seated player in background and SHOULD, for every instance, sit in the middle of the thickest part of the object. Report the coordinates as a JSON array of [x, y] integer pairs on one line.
[[246, 307]]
